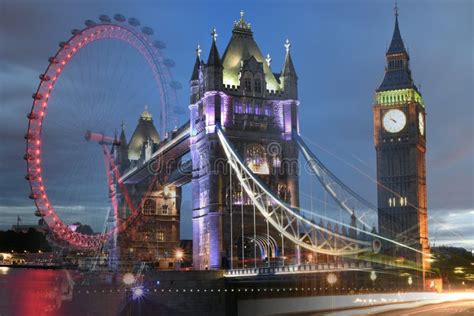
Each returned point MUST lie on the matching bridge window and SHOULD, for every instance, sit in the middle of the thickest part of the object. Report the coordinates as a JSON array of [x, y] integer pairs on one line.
[[248, 84], [267, 110], [258, 109], [256, 159], [160, 236], [149, 207], [238, 107], [392, 202], [258, 86], [403, 201], [248, 108]]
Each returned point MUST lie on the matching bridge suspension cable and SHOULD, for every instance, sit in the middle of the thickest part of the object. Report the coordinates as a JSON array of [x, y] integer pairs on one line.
[[344, 196], [286, 220]]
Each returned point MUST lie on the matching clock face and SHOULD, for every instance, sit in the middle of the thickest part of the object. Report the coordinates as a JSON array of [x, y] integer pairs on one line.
[[421, 123], [394, 121]]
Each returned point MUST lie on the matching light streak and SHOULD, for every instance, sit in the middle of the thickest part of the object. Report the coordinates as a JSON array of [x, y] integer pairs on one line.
[[377, 183], [231, 154]]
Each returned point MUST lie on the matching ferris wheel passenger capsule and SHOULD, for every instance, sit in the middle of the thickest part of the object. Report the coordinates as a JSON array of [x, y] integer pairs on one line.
[[90, 23], [32, 116], [28, 157], [29, 136], [119, 18], [30, 177], [159, 44], [44, 77], [104, 18], [133, 22], [64, 45], [37, 96], [147, 30]]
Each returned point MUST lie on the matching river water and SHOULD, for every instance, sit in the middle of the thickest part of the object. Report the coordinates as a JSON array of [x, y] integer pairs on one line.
[[38, 292], [26, 292]]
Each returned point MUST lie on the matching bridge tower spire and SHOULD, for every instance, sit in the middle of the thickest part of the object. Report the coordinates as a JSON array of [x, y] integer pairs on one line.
[[288, 76]]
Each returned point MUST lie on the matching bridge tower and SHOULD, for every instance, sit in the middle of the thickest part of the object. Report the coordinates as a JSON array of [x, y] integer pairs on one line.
[[154, 236], [258, 110], [400, 143]]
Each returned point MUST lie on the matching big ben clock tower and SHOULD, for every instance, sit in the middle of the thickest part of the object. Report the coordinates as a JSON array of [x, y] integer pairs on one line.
[[400, 144]]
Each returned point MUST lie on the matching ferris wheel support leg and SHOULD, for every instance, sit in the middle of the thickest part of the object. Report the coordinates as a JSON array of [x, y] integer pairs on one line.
[[110, 181]]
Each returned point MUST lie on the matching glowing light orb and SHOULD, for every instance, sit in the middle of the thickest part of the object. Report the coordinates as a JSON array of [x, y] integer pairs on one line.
[[179, 254], [331, 278], [128, 278], [137, 292]]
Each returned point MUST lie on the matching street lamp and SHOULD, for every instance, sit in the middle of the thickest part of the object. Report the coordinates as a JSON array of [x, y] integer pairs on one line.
[[128, 278], [137, 292], [331, 278], [373, 276], [179, 255], [410, 281]]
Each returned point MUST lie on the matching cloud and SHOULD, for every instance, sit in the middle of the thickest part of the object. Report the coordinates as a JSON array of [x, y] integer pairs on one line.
[[95, 216], [453, 227]]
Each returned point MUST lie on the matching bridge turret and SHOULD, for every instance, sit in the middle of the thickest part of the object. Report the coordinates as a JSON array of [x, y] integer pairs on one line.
[[122, 151], [196, 78], [145, 128], [288, 77], [213, 77]]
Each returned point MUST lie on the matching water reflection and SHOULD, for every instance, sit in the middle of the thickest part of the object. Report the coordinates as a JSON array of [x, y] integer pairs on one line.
[[37, 292], [34, 291]]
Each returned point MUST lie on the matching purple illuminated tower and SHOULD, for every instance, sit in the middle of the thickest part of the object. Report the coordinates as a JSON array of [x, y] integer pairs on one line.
[[258, 109]]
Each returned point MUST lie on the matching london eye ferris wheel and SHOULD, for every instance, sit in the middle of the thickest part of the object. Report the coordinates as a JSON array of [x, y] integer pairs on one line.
[[101, 76]]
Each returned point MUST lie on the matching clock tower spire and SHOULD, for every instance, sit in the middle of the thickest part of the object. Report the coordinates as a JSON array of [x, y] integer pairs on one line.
[[400, 144]]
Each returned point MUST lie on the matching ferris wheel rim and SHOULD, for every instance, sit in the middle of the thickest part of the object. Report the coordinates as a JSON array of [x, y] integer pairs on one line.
[[106, 29]]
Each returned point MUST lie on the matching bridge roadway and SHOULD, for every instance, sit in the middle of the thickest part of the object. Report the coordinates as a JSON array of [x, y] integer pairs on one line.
[[209, 293], [299, 269]]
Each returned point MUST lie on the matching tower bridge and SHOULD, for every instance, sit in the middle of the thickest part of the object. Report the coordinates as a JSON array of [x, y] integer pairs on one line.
[[244, 144]]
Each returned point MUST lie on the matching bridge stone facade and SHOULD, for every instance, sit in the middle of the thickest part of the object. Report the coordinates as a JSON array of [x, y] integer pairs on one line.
[[258, 109]]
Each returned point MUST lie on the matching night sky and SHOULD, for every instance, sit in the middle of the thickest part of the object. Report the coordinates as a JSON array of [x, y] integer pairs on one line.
[[338, 48]]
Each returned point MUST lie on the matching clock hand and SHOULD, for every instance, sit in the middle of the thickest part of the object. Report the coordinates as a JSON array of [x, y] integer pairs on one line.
[[393, 120]]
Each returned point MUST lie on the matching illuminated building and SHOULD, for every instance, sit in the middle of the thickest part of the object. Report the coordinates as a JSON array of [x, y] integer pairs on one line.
[[155, 234]]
